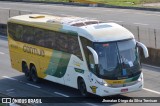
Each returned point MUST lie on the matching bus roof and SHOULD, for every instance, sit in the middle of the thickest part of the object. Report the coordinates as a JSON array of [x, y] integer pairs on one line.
[[89, 28]]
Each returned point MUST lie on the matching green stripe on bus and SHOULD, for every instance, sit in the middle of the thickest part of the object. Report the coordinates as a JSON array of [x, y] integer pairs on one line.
[[58, 64], [132, 79]]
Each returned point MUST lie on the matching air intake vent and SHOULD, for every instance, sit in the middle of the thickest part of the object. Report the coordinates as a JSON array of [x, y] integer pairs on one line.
[[102, 26], [50, 21], [88, 22]]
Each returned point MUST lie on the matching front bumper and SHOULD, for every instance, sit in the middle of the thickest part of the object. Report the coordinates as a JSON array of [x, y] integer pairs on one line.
[[106, 91]]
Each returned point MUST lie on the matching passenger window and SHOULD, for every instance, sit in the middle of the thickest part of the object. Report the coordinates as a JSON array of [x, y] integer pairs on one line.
[[88, 54], [74, 47], [50, 38], [19, 32], [28, 35], [39, 37], [62, 42], [12, 30]]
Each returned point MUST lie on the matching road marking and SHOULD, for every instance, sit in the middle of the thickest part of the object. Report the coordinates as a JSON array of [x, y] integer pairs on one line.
[[5, 8], [91, 104], [114, 21], [148, 14], [9, 90], [141, 13], [21, 81], [10, 93], [140, 24], [151, 66], [33, 85], [2, 53], [61, 94], [13, 104], [97, 9], [10, 78], [46, 13], [151, 91]]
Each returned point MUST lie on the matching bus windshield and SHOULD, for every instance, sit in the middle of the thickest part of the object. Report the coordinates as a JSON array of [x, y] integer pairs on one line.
[[118, 59]]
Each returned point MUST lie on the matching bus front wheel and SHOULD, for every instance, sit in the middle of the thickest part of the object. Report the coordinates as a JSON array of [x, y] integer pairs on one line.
[[33, 73], [26, 71], [82, 87]]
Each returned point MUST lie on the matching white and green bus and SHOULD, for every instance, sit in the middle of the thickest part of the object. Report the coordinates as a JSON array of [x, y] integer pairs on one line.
[[94, 57]]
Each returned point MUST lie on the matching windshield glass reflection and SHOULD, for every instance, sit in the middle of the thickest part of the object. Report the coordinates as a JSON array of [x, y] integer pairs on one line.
[[118, 59]]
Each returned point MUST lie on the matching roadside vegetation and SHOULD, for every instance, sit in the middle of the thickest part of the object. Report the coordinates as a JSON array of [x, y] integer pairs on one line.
[[110, 2], [126, 2]]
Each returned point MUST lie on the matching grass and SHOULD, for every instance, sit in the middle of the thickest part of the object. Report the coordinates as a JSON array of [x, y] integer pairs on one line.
[[120, 2], [111, 2], [126, 2], [52, 0]]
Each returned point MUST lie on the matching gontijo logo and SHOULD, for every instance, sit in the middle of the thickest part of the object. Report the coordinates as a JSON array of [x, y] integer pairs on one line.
[[33, 50]]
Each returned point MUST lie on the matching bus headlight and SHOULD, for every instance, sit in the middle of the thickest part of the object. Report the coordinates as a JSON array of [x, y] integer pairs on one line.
[[105, 84], [140, 78], [102, 82]]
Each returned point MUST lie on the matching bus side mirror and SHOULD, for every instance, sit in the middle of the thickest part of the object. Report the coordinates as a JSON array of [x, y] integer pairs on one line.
[[145, 50], [95, 55]]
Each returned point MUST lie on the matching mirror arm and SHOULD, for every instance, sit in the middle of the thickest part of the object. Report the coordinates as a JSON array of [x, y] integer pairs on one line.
[[95, 55], [145, 50]]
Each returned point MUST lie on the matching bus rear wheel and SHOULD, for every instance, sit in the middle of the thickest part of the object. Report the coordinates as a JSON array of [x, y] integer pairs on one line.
[[82, 87], [26, 71], [33, 73]]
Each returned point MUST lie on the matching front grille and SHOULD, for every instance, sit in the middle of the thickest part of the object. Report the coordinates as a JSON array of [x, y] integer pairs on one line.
[[122, 85]]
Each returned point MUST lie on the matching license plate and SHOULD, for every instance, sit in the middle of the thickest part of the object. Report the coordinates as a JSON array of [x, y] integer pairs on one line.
[[124, 90]]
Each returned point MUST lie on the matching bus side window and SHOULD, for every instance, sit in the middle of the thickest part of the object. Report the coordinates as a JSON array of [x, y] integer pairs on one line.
[[19, 32], [39, 37], [91, 63], [88, 54], [28, 35], [61, 42], [49, 39], [12, 30], [74, 47], [71, 43]]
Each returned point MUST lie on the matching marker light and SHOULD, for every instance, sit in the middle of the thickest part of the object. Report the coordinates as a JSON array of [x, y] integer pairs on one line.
[[140, 78], [105, 84]]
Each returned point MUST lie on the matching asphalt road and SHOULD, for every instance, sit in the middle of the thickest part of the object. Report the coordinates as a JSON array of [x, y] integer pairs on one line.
[[148, 19], [13, 83]]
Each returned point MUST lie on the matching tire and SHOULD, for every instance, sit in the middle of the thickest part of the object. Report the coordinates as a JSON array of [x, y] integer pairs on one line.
[[33, 73], [82, 88], [26, 71]]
